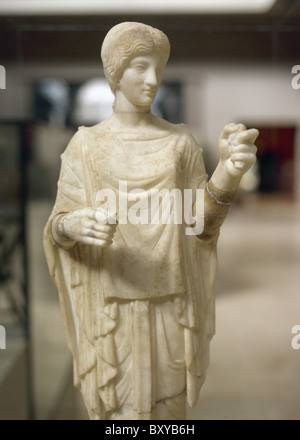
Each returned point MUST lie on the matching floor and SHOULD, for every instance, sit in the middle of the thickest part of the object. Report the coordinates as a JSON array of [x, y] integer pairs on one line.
[[254, 371]]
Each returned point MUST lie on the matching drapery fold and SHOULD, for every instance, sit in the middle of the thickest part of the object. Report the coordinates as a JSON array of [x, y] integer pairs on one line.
[[103, 308]]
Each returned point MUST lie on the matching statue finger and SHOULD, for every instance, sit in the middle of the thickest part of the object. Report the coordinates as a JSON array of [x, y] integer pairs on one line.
[[230, 129], [96, 241], [247, 136], [242, 156], [83, 213], [104, 228], [243, 148]]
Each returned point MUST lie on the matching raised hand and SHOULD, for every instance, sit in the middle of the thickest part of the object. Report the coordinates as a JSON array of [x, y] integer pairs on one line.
[[237, 148]]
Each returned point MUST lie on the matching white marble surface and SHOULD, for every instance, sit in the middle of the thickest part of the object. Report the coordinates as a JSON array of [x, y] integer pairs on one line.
[[254, 372], [137, 298]]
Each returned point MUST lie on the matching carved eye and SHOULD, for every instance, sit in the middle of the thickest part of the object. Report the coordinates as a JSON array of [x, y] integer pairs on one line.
[[140, 67]]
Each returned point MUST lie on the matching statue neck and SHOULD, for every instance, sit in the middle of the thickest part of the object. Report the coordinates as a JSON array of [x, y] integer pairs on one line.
[[131, 120], [129, 115]]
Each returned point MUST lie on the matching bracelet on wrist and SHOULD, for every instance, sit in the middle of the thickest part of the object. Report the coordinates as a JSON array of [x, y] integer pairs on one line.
[[221, 197]]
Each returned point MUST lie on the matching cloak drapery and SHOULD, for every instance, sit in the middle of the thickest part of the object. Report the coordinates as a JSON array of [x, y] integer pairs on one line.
[[154, 283]]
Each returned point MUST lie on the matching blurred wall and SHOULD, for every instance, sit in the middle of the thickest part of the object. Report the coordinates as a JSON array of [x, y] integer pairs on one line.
[[214, 94]]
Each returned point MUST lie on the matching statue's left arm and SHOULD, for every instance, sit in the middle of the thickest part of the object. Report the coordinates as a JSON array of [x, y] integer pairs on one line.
[[237, 155]]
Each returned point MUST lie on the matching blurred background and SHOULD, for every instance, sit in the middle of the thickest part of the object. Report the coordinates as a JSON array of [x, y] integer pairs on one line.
[[231, 61]]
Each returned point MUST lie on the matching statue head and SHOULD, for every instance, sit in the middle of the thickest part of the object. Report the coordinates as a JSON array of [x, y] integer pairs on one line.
[[126, 41]]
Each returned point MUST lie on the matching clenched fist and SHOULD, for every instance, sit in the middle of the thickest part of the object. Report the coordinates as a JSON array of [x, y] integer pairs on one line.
[[90, 226], [237, 149]]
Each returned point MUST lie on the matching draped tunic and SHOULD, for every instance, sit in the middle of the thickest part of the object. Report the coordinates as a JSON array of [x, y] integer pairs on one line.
[[155, 274]]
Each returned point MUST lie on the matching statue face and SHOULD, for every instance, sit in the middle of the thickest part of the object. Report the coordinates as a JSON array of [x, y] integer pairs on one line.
[[141, 79]]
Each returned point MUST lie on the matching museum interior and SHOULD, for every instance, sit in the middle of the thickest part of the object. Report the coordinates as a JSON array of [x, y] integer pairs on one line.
[[231, 61]]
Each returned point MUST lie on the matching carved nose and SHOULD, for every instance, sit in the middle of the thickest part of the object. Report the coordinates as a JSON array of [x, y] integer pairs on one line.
[[151, 78]]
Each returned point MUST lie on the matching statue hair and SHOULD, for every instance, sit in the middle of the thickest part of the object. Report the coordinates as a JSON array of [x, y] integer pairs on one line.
[[127, 40]]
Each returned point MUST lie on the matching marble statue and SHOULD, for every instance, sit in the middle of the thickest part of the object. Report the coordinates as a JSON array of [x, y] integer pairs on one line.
[[136, 292]]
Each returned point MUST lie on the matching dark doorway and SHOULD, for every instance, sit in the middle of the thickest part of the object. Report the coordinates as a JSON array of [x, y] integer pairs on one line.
[[275, 157]]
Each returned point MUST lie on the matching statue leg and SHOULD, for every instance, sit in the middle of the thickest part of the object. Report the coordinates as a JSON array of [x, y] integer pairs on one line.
[[168, 409], [157, 367]]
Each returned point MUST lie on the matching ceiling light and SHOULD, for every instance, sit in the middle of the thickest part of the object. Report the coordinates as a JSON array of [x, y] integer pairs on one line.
[[87, 7]]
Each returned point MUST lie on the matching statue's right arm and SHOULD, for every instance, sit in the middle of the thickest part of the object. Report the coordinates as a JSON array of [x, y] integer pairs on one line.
[[81, 226], [73, 220], [58, 233]]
